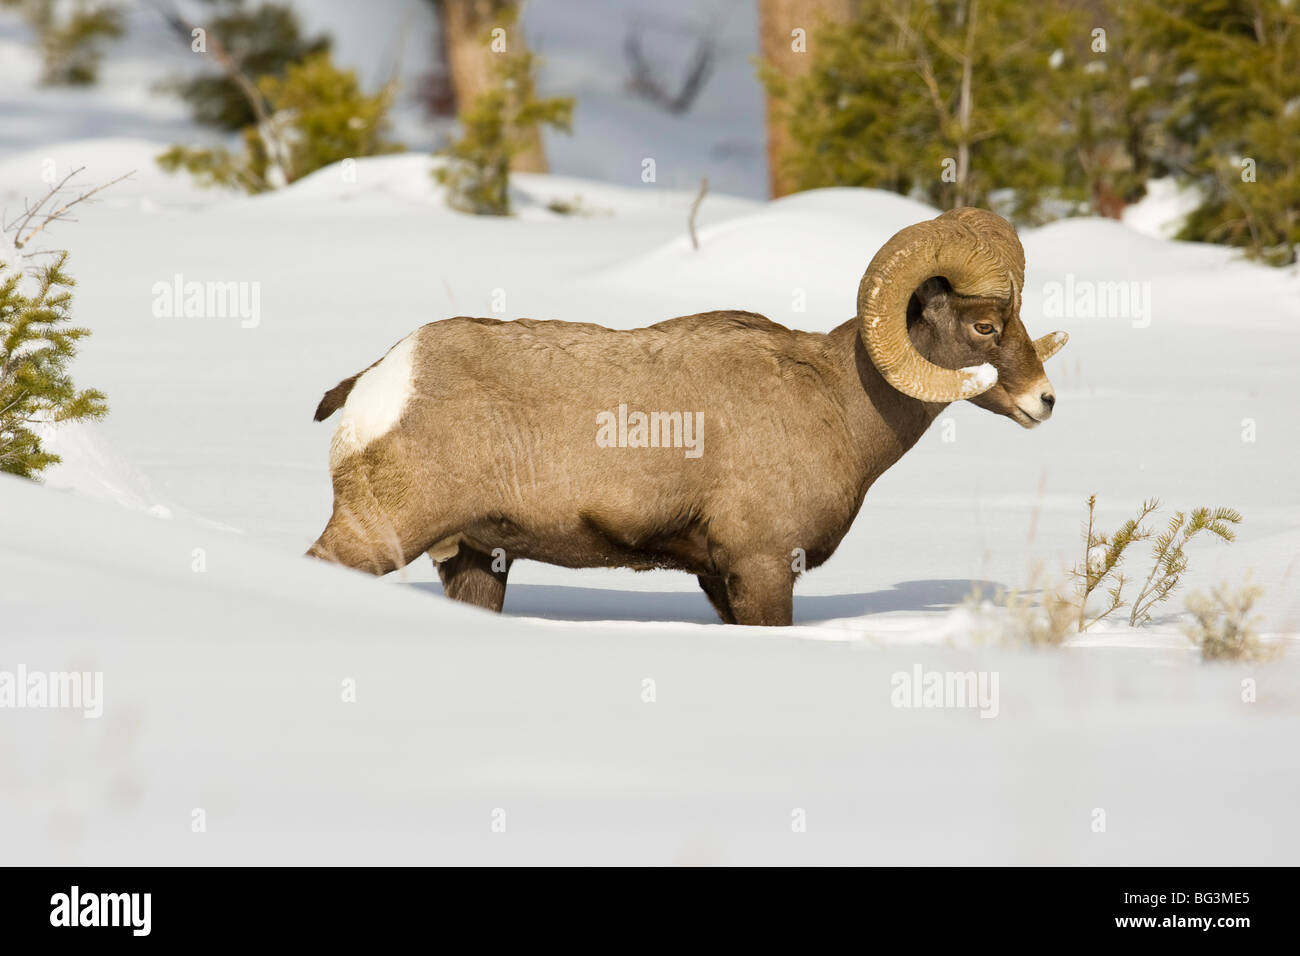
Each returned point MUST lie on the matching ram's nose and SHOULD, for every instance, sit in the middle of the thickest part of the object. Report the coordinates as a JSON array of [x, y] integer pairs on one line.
[[1037, 403]]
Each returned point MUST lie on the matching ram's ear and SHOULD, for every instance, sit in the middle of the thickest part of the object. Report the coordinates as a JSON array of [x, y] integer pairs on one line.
[[932, 301], [935, 289]]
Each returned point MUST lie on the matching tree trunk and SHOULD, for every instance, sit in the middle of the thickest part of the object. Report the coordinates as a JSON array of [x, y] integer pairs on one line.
[[777, 21], [964, 110], [467, 37]]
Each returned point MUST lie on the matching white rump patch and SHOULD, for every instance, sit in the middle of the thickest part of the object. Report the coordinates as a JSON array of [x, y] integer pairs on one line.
[[377, 400]]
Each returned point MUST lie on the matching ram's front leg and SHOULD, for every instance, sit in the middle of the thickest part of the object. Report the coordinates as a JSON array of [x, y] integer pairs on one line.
[[761, 591], [715, 589]]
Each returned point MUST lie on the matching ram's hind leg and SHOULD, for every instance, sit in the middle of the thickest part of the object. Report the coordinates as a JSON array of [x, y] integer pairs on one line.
[[472, 576], [715, 589]]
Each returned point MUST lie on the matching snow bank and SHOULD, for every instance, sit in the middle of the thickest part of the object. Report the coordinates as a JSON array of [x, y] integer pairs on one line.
[[212, 415], [224, 686]]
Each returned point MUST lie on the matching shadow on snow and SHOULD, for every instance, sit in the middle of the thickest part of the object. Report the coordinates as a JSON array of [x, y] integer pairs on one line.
[[608, 604]]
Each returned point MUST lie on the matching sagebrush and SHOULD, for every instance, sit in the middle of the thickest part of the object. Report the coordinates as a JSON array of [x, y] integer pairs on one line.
[[1223, 623]]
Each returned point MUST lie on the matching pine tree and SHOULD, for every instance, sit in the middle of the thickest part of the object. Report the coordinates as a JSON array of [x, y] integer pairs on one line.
[[317, 115], [950, 101], [1229, 72], [261, 41], [500, 124], [1112, 109], [785, 58], [36, 345]]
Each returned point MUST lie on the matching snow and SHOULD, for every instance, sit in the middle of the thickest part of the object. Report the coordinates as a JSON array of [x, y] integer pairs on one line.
[[980, 378], [1161, 211], [222, 692], [166, 551], [581, 44]]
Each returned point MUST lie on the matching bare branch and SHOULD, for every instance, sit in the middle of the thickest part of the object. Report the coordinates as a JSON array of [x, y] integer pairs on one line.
[[31, 211], [60, 213], [646, 83]]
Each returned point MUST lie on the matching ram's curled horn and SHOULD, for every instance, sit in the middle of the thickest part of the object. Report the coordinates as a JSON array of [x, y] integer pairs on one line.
[[1005, 238], [978, 253]]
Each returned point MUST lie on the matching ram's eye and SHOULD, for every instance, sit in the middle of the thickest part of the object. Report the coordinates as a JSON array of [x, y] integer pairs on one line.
[[983, 328]]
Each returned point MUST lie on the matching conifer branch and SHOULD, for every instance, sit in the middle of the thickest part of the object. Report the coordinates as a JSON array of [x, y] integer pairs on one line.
[[1169, 558], [1095, 572]]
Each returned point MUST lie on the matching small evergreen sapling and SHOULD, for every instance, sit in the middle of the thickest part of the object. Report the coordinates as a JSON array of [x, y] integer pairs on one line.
[[37, 342], [315, 115], [71, 36], [1101, 568], [1169, 559], [1104, 554]]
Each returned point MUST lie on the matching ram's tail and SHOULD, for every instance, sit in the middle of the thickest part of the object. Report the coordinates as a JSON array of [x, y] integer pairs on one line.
[[335, 398]]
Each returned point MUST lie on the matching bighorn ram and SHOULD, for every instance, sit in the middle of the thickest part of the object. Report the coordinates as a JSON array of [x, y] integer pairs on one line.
[[473, 435]]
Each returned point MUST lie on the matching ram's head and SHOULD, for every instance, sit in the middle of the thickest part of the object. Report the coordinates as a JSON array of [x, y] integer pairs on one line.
[[940, 312]]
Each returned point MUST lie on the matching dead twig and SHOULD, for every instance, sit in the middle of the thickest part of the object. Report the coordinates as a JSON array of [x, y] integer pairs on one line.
[[31, 211], [59, 214], [695, 208]]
